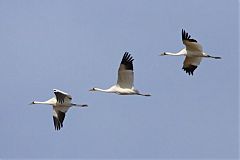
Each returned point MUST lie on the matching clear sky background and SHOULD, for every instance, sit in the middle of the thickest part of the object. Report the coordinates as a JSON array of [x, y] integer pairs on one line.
[[75, 45]]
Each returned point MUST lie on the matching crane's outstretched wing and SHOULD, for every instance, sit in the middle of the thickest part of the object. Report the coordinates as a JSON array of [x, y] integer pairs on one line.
[[125, 72], [58, 116], [190, 64], [61, 96], [191, 44]]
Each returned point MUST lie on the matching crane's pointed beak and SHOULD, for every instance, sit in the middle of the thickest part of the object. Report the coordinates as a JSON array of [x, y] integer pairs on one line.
[[162, 54], [31, 103], [92, 89]]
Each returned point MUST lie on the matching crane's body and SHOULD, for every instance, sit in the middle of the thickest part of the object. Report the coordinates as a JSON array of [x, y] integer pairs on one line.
[[193, 53], [125, 81], [60, 103]]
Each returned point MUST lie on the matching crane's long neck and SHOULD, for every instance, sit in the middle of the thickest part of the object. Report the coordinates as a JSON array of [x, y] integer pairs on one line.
[[39, 102], [109, 90], [48, 102], [180, 53], [172, 54]]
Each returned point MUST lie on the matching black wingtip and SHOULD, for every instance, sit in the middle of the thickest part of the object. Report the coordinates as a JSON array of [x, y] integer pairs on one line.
[[186, 36], [127, 60], [61, 101], [127, 56], [190, 69], [57, 124], [58, 121]]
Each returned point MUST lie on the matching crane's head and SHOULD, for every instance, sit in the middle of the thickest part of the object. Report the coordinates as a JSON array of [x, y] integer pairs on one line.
[[33, 102], [163, 54], [93, 89]]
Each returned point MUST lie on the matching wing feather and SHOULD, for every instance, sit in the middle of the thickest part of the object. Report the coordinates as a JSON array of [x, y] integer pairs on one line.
[[191, 44], [190, 64], [61, 96], [125, 72], [58, 118]]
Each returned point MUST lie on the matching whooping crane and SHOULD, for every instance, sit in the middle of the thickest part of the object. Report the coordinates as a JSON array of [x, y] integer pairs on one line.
[[61, 103], [125, 79], [193, 52]]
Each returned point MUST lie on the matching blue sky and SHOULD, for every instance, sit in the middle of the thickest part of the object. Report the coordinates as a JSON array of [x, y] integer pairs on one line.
[[76, 45]]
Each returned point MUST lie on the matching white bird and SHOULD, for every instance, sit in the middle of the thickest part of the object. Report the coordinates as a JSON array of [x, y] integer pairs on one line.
[[193, 52], [61, 103], [125, 79]]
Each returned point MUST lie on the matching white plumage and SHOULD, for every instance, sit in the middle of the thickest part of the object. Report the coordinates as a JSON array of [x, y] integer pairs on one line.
[[61, 103], [125, 81], [193, 52]]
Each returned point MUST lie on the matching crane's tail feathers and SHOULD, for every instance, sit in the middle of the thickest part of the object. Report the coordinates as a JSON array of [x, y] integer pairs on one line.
[[147, 95], [80, 105], [217, 57], [214, 57]]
